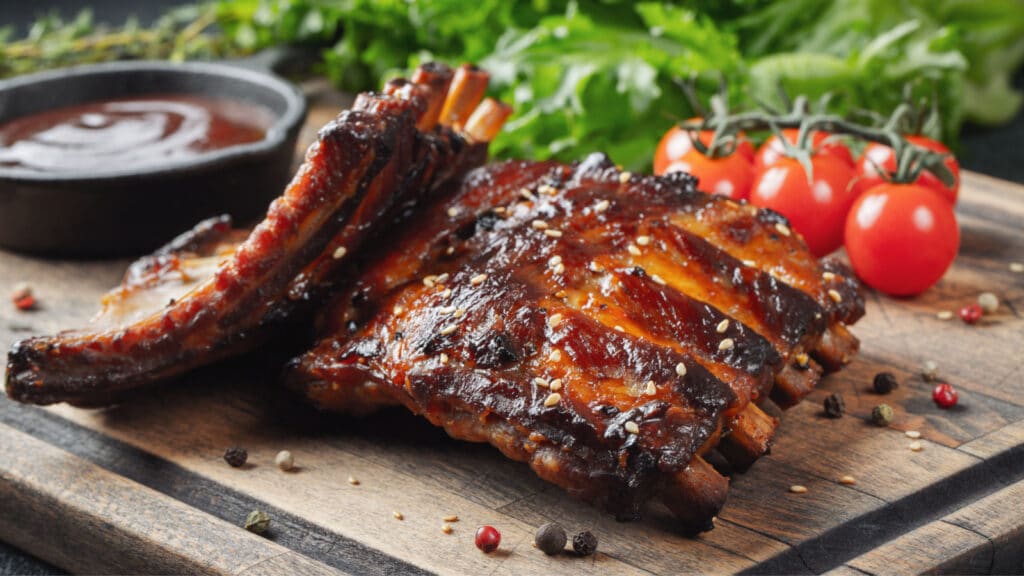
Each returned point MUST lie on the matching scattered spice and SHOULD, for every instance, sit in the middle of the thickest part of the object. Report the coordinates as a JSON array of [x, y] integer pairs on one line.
[[353, 481], [398, 515], [944, 396], [971, 313], [916, 446], [930, 371], [803, 361], [584, 543], [257, 522], [284, 460], [847, 480], [989, 302], [944, 315], [882, 415], [834, 405], [798, 489], [885, 382], [236, 456], [912, 434], [550, 538], [487, 539], [447, 528], [1016, 267], [451, 518], [23, 297]]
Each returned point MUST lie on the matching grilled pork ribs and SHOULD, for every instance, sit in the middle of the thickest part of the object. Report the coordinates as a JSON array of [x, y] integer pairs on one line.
[[612, 330], [205, 296]]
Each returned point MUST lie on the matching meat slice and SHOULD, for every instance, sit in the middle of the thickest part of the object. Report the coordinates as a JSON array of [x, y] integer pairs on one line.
[[210, 294], [606, 328]]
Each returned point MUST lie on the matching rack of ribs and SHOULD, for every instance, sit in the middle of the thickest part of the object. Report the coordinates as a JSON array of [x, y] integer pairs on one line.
[[609, 329], [215, 292], [616, 332]]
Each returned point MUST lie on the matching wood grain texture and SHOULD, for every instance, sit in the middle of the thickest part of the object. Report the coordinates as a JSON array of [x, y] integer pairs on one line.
[[958, 490], [106, 524]]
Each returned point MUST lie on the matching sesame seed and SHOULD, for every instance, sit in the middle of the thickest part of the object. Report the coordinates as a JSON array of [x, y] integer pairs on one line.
[[451, 518], [552, 399], [398, 515], [912, 434], [553, 233], [525, 193], [749, 263], [618, 328], [442, 278], [650, 389], [681, 369], [556, 385], [450, 250], [944, 315], [828, 276], [444, 358], [499, 210], [340, 252], [726, 344], [428, 281], [594, 267], [835, 296], [446, 528], [541, 382], [448, 329], [783, 229], [559, 269], [643, 240], [633, 249], [658, 279], [798, 489], [453, 212], [848, 480], [459, 313], [447, 310], [546, 189], [539, 225], [916, 446], [397, 310], [555, 261], [446, 292], [353, 481], [632, 427], [722, 326], [624, 177], [478, 279], [1016, 267], [802, 359], [560, 294], [602, 206], [554, 320]]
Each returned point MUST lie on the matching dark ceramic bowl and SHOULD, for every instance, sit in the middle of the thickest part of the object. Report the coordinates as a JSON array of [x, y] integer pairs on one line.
[[116, 212]]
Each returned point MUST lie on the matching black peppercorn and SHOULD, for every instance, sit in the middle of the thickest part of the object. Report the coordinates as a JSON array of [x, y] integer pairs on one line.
[[236, 456], [885, 382], [584, 543], [550, 538], [834, 406]]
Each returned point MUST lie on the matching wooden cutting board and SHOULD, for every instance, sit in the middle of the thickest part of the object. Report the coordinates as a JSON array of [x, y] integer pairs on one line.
[[143, 488]]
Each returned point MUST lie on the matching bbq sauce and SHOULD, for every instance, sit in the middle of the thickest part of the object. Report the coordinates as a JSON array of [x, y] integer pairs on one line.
[[129, 133]]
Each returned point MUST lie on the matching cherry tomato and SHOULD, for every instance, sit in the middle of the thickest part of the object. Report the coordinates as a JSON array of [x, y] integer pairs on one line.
[[772, 149], [944, 396], [901, 238], [676, 143], [817, 210], [880, 155], [729, 176], [487, 539]]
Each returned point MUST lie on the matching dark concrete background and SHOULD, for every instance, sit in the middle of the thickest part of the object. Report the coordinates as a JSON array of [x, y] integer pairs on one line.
[[993, 151]]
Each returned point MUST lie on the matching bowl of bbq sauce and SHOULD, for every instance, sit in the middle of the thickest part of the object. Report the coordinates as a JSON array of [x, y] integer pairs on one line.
[[116, 159]]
